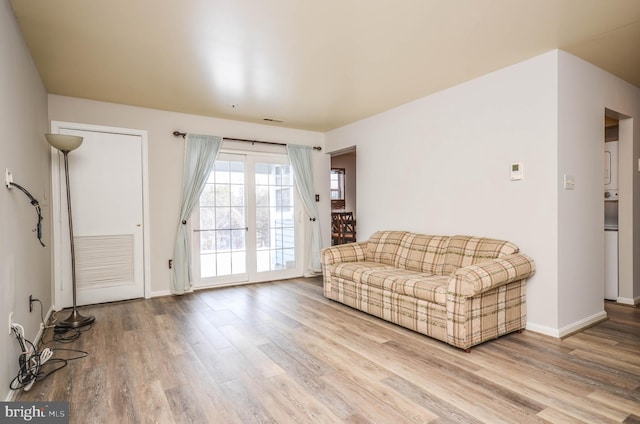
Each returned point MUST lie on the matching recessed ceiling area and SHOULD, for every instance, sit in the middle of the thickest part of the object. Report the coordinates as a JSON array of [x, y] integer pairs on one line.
[[310, 65]]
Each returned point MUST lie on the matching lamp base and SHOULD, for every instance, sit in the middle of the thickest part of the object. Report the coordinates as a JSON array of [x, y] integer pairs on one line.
[[75, 320]]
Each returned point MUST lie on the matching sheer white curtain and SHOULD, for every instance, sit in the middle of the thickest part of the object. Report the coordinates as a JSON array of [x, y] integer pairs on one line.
[[200, 156], [300, 159]]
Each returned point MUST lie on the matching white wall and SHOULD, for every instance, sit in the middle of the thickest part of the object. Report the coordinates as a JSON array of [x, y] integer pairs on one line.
[[165, 161], [584, 93], [25, 266], [440, 165]]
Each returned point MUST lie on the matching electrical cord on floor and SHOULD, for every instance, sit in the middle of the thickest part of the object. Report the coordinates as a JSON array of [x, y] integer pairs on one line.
[[35, 364], [56, 364], [30, 360], [60, 334], [68, 335]]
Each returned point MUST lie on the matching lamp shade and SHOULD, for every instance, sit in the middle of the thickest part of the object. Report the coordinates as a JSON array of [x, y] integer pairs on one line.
[[64, 143]]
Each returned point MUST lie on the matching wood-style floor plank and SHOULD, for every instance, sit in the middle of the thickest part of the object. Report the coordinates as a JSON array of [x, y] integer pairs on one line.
[[280, 352]]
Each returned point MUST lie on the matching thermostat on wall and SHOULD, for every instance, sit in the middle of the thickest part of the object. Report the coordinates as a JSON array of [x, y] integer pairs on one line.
[[516, 171]]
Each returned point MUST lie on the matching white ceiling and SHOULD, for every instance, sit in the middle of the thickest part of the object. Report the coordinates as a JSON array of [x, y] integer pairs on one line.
[[315, 65]]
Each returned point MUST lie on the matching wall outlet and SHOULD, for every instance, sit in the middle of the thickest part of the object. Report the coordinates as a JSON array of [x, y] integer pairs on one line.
[[569, 182], [10, 321]]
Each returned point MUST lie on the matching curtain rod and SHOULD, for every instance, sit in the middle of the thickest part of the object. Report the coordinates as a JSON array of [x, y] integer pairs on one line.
[[184, 135]]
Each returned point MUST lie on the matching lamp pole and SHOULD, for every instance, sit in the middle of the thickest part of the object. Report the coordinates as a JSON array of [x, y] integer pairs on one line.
[[67, 143], [74, 320]]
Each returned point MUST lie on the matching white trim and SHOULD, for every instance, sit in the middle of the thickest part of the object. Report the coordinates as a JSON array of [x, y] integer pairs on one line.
[[232, 284], [568, 329], [159, 293], [11, 396], [42, 327], [547, 331], [628, 301], [56, 126]]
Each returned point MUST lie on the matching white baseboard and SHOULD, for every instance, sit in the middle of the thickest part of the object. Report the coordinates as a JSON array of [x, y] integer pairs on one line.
[[568, 329], [628, 301], [11, 396], [41, 331], [160, 293], [547, 331], [582, 324]]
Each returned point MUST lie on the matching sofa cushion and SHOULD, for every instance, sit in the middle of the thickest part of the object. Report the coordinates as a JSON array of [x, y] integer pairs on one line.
[[424, 253], [432, 288], [467, 250], [353, 270], [383, 246]]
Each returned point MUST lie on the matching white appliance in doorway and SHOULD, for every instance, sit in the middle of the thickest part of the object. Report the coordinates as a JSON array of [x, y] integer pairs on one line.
[[108, 196], [611, 220], [611, 264], [611, 171]]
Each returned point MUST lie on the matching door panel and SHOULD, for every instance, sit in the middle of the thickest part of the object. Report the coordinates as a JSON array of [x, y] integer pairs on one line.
[[245, 227], [222, 223], [275, 223], [105, 175]]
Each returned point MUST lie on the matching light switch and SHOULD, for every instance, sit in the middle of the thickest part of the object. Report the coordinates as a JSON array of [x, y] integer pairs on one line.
[[569, 182]]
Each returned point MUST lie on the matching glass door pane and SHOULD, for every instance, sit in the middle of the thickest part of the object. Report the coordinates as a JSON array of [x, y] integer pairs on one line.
[[223, 228], [275, 219], [246, 226]]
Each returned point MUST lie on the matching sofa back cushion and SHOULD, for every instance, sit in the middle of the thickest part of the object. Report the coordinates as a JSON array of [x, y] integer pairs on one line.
[[423, 253], [383, 246], [467, 250]]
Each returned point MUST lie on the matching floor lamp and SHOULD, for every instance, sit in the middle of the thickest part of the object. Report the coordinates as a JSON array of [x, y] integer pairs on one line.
[[67, 143]]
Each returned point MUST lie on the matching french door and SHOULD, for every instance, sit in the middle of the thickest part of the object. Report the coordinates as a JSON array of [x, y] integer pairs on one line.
[[245, 229]]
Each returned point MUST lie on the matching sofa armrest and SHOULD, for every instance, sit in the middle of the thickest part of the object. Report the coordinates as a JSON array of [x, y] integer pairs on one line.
[[350, 252], [474, 279]]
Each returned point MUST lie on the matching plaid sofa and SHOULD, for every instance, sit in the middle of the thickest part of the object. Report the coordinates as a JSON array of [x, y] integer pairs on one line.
[[461, 290]]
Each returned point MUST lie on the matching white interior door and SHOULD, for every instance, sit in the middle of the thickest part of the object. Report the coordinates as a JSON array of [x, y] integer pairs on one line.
[[106, 181]]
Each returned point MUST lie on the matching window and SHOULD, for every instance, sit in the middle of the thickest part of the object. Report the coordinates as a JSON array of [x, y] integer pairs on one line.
[[222, 221], [337, 188], [275, 223]]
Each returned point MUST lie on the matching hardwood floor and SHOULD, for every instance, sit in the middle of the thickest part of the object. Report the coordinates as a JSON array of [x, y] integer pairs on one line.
[[280, 352]]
